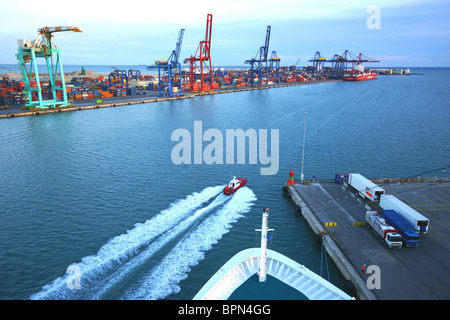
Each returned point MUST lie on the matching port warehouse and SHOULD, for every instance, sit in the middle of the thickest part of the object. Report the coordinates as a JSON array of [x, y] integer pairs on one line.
[[336, 213]]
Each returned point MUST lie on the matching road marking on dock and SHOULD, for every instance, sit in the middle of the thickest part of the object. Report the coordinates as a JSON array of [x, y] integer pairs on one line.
[[438, 190], [336, 203]]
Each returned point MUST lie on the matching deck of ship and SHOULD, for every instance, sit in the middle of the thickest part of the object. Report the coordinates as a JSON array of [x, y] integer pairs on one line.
[[409, 273]]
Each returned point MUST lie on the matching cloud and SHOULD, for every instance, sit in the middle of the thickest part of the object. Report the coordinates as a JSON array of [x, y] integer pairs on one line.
[[179, 12], [142, 31]]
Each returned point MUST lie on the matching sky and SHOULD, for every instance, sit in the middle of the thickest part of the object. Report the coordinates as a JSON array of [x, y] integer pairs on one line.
[[398, 33]]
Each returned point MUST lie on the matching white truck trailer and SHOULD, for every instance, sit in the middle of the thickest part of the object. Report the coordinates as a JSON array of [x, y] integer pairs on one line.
[[365, 187], [417, 220], [386, 233]]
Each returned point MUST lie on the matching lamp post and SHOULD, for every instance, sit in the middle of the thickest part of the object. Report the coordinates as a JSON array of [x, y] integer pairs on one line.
[[303, 152]]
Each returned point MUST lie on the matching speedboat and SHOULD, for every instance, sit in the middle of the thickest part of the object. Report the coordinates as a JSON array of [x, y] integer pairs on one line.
[[234, 185]]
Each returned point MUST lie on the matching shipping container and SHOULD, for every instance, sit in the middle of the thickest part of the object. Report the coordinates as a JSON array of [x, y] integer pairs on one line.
[[365, 187], [417, 220], [409, 235]]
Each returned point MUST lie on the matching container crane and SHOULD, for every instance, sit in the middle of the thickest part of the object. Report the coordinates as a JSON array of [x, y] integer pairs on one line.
[[339, 63], [274, 66], [258, 64], [359, 59], [134, 74], [118, 78], [202, 60], [169, 71], [318, 63], [43, 47]]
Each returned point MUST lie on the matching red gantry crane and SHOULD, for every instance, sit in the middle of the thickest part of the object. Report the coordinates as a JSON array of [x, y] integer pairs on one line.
[[201, 61]]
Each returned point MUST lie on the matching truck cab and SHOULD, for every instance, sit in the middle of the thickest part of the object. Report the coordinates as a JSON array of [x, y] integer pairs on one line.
[[394, 240], [411, 238]]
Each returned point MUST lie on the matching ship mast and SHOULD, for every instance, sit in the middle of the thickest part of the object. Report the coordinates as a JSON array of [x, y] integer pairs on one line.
[[263, 258]]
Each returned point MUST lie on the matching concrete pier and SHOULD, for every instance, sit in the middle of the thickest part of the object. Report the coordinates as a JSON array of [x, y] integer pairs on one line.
[[406, 274], [15, 111]]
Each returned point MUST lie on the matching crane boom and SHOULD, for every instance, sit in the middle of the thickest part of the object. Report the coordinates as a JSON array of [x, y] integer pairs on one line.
[[175, 56], [49, 30], [46, 34], [208, 35], [266, 45]]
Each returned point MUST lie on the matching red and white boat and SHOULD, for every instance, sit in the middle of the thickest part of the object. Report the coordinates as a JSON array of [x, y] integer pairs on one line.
[[234, 185], [359, 73]]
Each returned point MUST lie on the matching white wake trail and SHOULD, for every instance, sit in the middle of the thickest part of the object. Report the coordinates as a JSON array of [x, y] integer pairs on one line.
[[121, 248], [164, 239], [163, 279]]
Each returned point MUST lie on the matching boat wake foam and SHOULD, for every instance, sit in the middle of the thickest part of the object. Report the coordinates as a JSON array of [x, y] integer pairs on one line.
[[163, 279], [123, 256]]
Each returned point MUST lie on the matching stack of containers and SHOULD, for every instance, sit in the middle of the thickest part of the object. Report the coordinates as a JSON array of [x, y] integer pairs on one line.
[[136, 91], [10, 92]]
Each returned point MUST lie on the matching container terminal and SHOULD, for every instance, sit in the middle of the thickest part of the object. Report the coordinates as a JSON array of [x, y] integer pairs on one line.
[[145, 91], [339, 213], [31, 92]]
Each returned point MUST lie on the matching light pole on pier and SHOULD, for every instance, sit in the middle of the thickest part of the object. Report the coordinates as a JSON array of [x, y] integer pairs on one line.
[[303, 152]]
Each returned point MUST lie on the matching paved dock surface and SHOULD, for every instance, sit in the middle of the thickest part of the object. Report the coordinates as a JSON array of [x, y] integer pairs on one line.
[[408, 273]]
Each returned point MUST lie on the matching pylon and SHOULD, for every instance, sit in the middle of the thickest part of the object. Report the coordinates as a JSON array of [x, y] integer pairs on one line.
[[291, 178]]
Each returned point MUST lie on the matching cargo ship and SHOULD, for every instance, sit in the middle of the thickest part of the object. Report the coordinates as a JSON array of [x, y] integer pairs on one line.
[[358, 73]]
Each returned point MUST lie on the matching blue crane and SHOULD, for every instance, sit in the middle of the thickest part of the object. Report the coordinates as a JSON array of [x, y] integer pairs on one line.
[[118, 77], [274, 66], [258, 64], [169, 71], [339, 63], [318, 63]]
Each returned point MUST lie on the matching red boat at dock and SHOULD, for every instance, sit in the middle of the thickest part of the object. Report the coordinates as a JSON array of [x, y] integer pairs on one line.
[[359, 75]]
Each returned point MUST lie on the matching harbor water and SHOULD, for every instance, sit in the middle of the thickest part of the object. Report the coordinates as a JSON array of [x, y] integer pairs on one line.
[[94, 205]]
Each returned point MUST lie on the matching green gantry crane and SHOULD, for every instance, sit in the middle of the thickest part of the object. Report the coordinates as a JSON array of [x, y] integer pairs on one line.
[[28, 53]]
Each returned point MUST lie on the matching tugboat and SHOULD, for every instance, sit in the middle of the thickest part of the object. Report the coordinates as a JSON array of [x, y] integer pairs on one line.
[[234, 185]]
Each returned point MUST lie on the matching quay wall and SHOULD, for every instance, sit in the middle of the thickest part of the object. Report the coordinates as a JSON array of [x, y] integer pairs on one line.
[[338, 257], [126, 102]]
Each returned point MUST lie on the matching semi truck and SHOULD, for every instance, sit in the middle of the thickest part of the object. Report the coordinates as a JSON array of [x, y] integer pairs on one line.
[[365, 187], [386, 233], [417, 220], [409, 235]]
